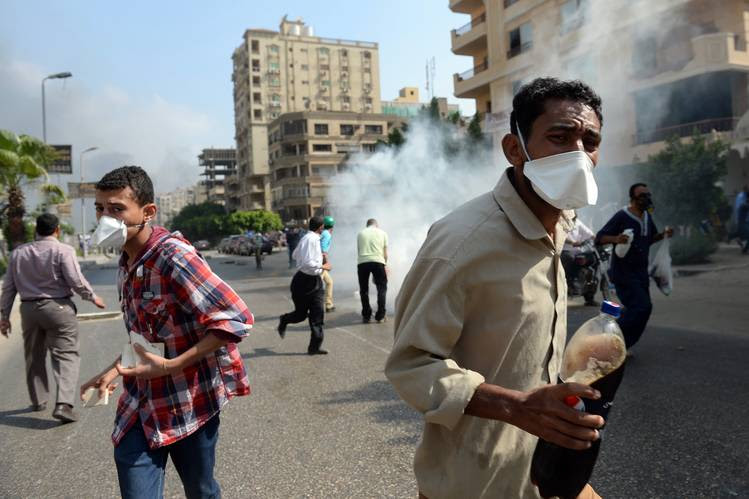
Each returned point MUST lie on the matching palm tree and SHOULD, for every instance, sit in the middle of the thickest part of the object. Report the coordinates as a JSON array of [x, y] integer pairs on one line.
[[21, 160]]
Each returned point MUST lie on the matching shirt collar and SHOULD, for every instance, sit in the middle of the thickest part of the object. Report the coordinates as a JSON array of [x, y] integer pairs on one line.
[[47, 238], [521, 217]]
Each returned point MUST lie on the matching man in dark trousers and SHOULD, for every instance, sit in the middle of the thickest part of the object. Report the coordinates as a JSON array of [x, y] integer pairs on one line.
[[307, 290], [293, 235], [629, 274], [372, 248], [45, 273]]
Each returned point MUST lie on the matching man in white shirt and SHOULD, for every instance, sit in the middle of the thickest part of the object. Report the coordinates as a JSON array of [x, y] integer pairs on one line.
[[306, 288]]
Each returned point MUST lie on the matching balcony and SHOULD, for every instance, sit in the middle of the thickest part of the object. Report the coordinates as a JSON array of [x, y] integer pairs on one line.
[[470, 39], [686, 130], [466, 6], [472, 83], [519, 49]]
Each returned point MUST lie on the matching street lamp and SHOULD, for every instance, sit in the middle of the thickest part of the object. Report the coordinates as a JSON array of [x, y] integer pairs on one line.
[[44, 111], [83, 200]]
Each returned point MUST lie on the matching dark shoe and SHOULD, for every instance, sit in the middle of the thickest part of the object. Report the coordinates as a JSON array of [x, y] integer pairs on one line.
[[383, 320], [319, 351], [281, 328], [39, 407], [329, 309], [365, 320], [64, 413]]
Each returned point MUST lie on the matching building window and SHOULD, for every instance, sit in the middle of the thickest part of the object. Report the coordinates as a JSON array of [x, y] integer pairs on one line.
[[256, 98], [273, 49], [521, 40], [256, 80], [324, 83], [288, 150], [255, 44], [322, 148], [255, 65], [373, 129], [574, 13], [369, 147], [321, 129], [295, 127], [305, 67], [367, 55], [305, 82], [257, 114], [347, 129], [345, 99]]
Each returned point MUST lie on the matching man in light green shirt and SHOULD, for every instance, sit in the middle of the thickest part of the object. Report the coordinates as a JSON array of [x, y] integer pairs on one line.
[[372, 245], [481, 318]]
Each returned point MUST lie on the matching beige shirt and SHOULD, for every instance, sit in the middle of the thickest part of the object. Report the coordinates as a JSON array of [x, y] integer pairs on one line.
[[485, 300], [371, 244]]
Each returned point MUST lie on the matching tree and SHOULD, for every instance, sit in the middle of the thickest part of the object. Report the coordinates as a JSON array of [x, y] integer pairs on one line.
[[395, 137], [21, 160], [201, 221], [684, 178], [475, 134], [257, 220]]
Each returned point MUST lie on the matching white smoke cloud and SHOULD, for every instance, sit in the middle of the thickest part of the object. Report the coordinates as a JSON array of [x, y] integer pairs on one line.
[[406, 189]]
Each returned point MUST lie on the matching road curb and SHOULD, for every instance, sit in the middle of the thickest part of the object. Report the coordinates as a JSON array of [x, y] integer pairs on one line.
[[98, 316], [687, 272]]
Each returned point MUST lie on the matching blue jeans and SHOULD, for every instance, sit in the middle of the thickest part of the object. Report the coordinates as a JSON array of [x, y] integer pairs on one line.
[[140, 470], [635, 296]]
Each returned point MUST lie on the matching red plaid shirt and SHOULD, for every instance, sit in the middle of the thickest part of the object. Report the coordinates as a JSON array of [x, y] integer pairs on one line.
[[171, 296]]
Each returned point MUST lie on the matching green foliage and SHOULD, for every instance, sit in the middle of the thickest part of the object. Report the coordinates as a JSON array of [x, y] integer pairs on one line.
[[395, 137], [257, 220], [684, 178], [67, 229], [475, 134], [692, 249]]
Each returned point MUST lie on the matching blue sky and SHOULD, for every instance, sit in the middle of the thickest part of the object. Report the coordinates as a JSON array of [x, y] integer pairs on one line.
[[152, 80]]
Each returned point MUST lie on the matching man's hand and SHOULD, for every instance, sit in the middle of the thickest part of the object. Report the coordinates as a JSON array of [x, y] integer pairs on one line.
[[588, 493], [541, 412], [326, 266], [669, 232], [99, 302], [621, 239], [152, 366], [5, 328], [103, 382]]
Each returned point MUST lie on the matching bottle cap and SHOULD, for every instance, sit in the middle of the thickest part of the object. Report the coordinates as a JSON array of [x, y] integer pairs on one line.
[[611, 308]]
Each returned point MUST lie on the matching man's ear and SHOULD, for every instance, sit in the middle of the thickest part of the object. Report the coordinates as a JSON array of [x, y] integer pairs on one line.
[[149, 212], [513, 150]]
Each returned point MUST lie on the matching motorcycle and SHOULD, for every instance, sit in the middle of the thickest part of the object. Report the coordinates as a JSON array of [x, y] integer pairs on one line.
[[591, 263]]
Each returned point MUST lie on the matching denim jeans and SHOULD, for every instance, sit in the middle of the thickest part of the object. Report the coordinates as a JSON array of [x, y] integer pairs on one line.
[[140, 470]]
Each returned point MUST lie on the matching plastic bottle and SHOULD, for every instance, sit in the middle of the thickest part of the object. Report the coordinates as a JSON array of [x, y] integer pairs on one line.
[[594, 356], [621, 249]]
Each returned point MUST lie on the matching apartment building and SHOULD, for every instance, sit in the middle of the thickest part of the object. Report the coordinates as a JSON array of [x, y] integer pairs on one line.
[[408, 105], [663, 67], [170, 203], [291, 70], [217, 164], [308, 148]]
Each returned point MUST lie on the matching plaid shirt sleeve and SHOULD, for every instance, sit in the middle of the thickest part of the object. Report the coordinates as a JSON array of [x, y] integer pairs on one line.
[[213, 303]]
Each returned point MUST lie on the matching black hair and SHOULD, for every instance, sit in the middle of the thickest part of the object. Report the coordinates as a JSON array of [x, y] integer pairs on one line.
[[134, 177], [315, 223], [633, 187], [371, 222], [46, 224], [529, 103]]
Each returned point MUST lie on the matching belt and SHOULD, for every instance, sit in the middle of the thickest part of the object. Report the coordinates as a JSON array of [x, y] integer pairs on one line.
[[46, 298]]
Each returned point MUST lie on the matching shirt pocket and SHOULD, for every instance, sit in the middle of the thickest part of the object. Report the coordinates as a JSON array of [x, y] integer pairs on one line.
[[155, 316]]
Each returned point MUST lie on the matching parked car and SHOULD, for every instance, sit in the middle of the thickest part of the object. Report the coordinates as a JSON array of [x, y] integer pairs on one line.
[[223, 246], [202, 245], [234, 244]]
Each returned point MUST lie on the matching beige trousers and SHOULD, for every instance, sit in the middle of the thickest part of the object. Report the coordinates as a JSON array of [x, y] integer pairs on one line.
[[328, 289]]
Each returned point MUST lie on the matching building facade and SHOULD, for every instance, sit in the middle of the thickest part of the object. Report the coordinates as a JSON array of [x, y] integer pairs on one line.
[[308, 148], [291, 70], [217, 164], [170, 203], [663, 67], [408, 105]]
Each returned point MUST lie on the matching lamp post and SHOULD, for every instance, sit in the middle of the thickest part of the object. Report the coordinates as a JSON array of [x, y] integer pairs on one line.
[[44, 110], [83, 201]]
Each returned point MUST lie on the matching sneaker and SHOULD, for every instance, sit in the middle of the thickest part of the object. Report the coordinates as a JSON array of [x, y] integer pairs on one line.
[[319, 351], [365, 320], [381, 321], [64, 413], [39, 407], [281, 328], [329, 309]]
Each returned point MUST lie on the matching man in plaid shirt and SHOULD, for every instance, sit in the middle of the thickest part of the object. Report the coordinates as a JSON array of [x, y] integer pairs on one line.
[[168, 294]]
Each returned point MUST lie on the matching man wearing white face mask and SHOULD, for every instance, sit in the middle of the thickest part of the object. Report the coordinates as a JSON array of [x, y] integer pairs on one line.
[[480, 320]]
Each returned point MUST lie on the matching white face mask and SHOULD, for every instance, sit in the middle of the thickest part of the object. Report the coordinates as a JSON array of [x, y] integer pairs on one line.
[[564, 180], [111, 232]]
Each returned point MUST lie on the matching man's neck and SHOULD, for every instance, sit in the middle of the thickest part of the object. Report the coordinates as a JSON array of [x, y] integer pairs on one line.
[[134, 246], [636, 211], [546, 214]]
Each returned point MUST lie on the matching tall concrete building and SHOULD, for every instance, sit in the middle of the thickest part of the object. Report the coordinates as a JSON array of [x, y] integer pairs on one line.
[[291, 70], [217, 164], [663, 67], [170, 203]]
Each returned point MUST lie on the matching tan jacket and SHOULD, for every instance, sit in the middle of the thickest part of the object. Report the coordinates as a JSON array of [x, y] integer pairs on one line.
[[485, 300]]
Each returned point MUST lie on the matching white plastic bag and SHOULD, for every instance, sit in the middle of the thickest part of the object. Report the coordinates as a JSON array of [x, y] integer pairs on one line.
[[621, 249], [660, 268]]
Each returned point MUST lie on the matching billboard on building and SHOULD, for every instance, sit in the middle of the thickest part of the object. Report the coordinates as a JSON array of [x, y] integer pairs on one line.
[[63, 163]]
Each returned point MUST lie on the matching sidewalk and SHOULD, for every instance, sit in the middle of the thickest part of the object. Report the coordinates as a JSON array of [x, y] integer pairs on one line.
[[728, 257]]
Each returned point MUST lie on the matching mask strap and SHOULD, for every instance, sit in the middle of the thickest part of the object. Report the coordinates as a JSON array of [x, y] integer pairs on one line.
[[522, 145]]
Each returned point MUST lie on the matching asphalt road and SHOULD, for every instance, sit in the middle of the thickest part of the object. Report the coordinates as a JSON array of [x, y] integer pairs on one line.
[[331, 426]]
